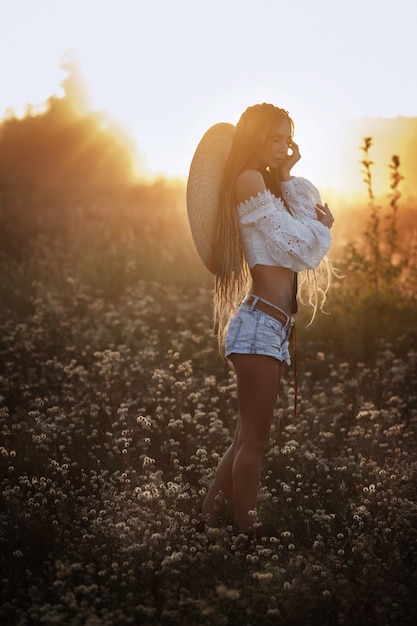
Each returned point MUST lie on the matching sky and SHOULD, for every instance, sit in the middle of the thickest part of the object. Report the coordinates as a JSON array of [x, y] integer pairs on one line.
[[169, 69]]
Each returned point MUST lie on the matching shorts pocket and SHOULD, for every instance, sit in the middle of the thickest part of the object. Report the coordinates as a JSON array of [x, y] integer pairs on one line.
[[271, 324], [271, 332]]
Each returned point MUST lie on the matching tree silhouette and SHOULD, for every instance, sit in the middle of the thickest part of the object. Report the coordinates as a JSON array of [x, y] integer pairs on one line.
[[66, 144]]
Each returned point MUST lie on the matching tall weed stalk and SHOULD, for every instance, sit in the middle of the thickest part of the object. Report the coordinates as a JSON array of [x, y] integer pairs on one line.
[[379, 264], [376, 299]]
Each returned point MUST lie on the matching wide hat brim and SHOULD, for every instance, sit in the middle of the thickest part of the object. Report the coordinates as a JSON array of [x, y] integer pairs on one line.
[[203, 188]]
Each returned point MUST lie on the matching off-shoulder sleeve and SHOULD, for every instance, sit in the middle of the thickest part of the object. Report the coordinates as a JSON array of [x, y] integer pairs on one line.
[[301, 196], [295, 241]]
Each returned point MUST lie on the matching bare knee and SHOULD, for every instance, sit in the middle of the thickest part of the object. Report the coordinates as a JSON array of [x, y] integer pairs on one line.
[[254, 444]]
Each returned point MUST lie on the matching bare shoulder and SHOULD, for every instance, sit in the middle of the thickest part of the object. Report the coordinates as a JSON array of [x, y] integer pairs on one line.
[[249, 184]]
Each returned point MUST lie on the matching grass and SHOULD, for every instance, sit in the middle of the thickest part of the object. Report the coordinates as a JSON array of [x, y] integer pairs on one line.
[[115, 408]]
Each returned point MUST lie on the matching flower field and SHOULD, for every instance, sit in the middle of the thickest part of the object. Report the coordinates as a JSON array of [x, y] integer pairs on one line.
[[115, 408]]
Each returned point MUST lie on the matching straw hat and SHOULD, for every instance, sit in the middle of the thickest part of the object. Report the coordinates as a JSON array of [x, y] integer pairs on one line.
[[203, 187]]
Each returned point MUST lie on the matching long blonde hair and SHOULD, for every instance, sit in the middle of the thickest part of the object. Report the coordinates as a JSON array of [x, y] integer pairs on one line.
[[232, 274], [233, 279]]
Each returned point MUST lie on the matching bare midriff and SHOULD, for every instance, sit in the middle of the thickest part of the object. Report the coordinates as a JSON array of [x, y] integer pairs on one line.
[[274, 284]]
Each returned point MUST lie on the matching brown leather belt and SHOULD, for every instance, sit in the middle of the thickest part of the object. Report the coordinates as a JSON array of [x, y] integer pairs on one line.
[[269, 309]]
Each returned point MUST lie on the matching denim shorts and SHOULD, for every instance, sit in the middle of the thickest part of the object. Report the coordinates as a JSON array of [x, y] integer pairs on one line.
[[252, 331]]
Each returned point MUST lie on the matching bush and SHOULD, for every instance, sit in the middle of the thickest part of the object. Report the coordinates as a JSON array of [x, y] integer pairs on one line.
[[115, 408]]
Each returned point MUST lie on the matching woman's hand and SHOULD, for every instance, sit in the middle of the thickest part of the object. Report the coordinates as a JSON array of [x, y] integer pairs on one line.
[[324, 215], [289, 162]]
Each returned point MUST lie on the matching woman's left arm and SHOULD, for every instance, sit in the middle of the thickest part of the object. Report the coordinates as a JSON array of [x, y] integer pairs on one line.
[[300, 195], [304, 201]]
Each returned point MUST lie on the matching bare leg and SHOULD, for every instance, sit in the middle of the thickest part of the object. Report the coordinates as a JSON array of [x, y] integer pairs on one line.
[[222, 481], [258, 379], [238, 473]]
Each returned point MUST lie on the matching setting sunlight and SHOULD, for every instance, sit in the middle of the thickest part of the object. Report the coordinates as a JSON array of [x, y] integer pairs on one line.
[[168, 71]]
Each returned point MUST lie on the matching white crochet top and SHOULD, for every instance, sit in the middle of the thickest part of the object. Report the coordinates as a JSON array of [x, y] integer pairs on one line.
[[271, 235]]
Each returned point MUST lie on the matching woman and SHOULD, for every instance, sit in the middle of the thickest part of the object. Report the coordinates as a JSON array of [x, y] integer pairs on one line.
[[269, 226]]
